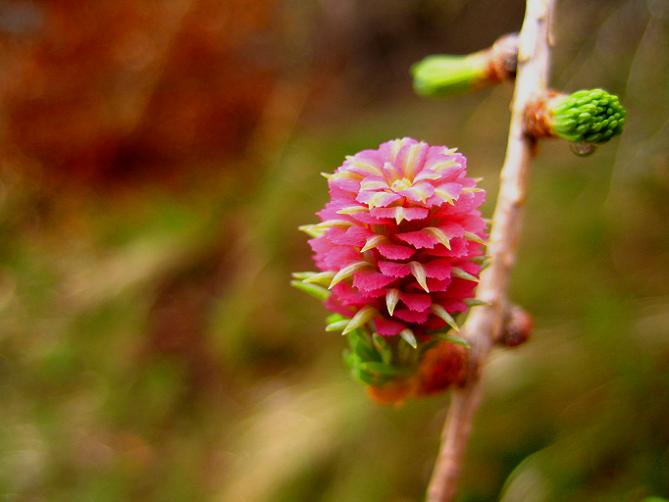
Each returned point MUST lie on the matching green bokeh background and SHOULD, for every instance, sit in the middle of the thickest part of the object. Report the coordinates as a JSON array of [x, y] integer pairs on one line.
[[151, 348]]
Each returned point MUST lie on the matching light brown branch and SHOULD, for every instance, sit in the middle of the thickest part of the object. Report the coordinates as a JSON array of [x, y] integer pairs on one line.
[[484, 324]]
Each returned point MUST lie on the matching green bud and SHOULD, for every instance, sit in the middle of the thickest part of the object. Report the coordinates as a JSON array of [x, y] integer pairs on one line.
[[442, 75], [587, 116]]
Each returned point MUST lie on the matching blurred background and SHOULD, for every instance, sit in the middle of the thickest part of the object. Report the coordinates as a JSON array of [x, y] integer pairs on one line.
[[156, 159]]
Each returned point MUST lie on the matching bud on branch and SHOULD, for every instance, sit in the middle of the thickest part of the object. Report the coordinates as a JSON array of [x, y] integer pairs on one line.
[[588, 116], [441, 75], [517, 327]]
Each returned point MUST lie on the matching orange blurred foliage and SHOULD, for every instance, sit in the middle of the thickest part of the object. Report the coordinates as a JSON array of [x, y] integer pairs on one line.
[[115, 88]]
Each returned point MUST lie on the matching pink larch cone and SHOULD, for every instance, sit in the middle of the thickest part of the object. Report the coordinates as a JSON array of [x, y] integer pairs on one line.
[[400, 237], [399, 247]]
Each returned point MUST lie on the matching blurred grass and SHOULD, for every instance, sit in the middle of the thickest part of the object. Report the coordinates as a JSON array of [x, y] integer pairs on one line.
[[150, 346]]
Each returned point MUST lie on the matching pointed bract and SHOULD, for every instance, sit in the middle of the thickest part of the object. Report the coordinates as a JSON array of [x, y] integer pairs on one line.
[[471, 236], [457, 340], [439, 234], [337, 325], [462, 274], [347, 272], [418, 272], [392, 297], [373, 242], [314, 290], [362, 317], [443, 314], [408, 336], [475, 302], [322, 278]]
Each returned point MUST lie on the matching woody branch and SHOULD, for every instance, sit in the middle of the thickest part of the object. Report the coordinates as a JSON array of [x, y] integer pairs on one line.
[[484, 325]]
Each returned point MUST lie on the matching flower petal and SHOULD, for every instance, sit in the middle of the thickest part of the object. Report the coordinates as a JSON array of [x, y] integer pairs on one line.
[[438, 269], [393, 269], [407, 213], [419, 239], [418, 302], [411, 158], [377, 199], [363, 166], [387, 327], [411, 316], [374, 183], [370, 280], [419, 192], [395, 251]]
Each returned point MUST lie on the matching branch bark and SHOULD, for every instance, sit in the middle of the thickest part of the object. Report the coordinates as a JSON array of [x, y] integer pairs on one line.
[[484, 325]]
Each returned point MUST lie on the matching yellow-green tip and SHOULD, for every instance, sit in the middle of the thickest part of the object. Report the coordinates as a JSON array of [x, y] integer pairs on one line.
[[442, 75]]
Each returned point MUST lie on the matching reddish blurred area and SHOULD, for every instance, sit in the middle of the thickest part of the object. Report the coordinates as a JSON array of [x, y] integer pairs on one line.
[[444, 366], [104, 91], [98, 91]]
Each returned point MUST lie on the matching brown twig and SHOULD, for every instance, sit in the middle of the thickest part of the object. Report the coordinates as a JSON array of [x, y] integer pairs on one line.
[[484, 324]]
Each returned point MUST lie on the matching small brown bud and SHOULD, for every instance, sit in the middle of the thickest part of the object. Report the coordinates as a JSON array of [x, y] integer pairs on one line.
[[503, 58], [443, 366], [517, 327]]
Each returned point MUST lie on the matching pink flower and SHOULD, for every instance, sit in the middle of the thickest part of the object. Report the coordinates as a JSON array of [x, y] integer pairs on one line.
[[399, 239]]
